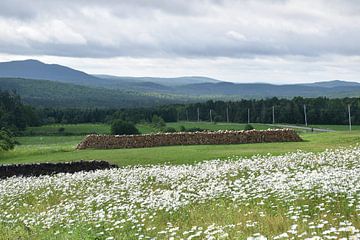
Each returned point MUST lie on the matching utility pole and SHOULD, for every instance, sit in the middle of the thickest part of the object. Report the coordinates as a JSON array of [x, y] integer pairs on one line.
[[227, 114], [187, 115], [349, 117], [210, 115], [273, 114], [306, 123], [198, 114], [248, 115]]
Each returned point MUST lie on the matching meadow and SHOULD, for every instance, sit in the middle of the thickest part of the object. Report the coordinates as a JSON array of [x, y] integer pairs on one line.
[[247, 191], [298, 195], [46, 145]]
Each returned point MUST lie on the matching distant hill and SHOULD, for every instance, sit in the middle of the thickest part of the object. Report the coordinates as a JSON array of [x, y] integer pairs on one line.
[[333, 84], [263, 90], [170, 82], [33, 69], [44, 93], [81, 89]]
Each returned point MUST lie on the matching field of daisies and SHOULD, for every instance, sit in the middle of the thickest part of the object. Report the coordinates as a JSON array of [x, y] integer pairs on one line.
[[295, 196]]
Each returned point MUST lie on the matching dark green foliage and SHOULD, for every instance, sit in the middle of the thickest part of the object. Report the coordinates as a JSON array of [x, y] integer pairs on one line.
[[158, 122], [195, 129], [43, 93], [13, 114], [319, 111], [7, 142], [61, 130], [169, 130], [119, 127], [248, 127]]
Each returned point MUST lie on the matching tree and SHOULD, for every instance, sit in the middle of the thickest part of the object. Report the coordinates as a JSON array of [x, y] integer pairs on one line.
[[7, 141], [158, 122], [119, 127]]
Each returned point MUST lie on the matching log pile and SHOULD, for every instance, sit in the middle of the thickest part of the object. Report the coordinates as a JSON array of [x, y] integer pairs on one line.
[[187, 138]]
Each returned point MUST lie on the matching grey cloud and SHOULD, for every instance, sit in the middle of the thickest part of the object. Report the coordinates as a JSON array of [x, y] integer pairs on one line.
[[177, 28]]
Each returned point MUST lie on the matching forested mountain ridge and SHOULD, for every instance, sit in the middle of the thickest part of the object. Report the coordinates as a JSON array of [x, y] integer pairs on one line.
[[66, 87], [43, 93]]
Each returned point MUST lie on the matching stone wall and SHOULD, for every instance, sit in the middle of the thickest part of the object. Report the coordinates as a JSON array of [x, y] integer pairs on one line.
[[187, 138], [38, 169]]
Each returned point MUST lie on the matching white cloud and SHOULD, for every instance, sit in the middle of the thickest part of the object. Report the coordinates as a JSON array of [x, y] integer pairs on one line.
[[258, 38]]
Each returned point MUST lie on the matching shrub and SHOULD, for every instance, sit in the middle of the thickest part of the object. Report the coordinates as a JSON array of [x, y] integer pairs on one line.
[[158, 122], [61, 130], [248, 127], [182, 129], [7, 141], [195, 129], [119, 127], [169, 130]]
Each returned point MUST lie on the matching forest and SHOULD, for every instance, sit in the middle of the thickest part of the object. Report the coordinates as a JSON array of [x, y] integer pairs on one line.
[[318, 110], [15, 116]]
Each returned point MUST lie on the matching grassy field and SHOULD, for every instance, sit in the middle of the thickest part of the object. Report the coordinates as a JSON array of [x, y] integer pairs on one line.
[[337, 127], [299, 195], [62, 148], [78, 129], [295, 196], [100, 128]]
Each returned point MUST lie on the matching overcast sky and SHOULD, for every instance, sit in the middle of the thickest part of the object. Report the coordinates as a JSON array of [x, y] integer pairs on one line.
[[278, 41]]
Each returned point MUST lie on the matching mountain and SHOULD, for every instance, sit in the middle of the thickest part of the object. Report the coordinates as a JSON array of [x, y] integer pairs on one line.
[[33, 69], [44, 93], [63, 86], [333, 84], [170, 82], [264, 90]]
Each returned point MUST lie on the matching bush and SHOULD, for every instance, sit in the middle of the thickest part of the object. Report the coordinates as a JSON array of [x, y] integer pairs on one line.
[[169, 130], [194, 129], [7, 141], [119, 127], [248, 127], [61, 130], [158, 122]]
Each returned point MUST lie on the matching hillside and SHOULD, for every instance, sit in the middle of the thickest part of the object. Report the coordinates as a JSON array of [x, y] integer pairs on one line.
[[139, 91], [43, 93]]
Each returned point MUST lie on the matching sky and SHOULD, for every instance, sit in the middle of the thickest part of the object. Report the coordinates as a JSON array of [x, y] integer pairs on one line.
[[275, 41]]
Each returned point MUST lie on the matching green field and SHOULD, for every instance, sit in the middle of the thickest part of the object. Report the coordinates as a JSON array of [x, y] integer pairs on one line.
[[62, 148], [138, 201], [100, 128], [78, 129], [337, 127]]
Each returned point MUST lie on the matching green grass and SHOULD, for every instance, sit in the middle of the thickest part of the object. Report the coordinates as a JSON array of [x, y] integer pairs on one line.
[[219, 211], [62, 148], [69, 129], [79, 129], [337, 127], [217, 126], [100, 128]]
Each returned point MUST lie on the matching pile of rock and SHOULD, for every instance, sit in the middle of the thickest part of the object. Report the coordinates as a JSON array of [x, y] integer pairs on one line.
[[38, 169], [188, 138]]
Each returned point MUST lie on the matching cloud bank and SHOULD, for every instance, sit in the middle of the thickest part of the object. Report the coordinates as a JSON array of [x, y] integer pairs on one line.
[[251, 40]]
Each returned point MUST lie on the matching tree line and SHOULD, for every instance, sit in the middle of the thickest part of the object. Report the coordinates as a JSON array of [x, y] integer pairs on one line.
[[318, 110], [15, 116]]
